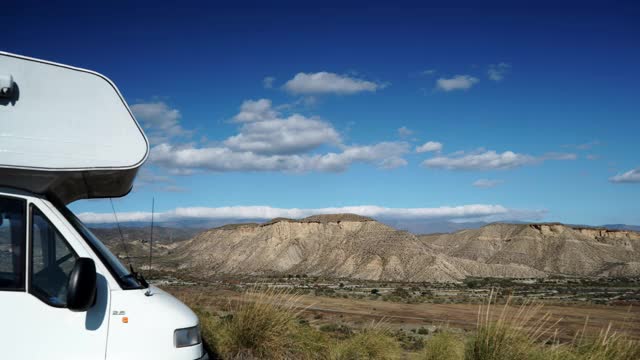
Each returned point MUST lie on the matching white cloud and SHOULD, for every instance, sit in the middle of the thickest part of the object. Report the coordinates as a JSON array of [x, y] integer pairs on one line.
[[256, 110], [458, 82], [631, 176], [558, 156], [458, 213], [269, 141], [487, 183], [159, 120], [428, 72], [266, 131], [290, 135], [329, 83], [490, 160], [267, 82], [498, 71], [385, 155], [147, 178], [404, 131], [429, 146]]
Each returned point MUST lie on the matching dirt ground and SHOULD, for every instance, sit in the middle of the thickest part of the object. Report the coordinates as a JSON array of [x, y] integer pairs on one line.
[[356, 312]]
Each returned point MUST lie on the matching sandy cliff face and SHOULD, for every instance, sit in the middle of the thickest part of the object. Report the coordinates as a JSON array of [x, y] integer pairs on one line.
[[351, 246], [334, 245], [552, 248]]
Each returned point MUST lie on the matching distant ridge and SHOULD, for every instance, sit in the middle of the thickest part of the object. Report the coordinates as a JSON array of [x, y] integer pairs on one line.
[[353, 246], [539, 225], [320, 219], [550, 247], [323, 219], [412, 225], [622, 227]]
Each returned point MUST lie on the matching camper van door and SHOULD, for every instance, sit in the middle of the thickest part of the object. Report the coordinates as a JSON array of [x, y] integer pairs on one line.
[[37, 253]]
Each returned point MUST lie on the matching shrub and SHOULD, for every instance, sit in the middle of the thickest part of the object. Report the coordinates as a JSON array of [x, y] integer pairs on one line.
[[408, 341], [267, 325], [607, 345], [498, 342], [372, 343], [516, 334], [208, 327], [264, 326], [521, 334], [401, 292], [443, 346], [337, 329]]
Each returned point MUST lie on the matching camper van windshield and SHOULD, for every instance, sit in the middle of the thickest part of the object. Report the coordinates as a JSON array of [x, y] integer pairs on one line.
[[125, 278]]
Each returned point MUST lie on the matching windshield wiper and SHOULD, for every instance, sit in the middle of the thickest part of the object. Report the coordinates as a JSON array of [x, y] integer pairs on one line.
[[137, 276]]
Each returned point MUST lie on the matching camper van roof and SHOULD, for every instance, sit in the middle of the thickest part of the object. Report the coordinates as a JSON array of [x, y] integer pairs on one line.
[[65, 132]]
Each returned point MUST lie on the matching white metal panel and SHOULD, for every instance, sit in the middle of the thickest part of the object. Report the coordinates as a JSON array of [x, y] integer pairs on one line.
[[65, 118], [32, 329], [65, 132], [151, 322]]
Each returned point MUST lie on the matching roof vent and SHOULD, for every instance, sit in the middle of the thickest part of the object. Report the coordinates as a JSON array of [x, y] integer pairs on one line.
[[6, 86]]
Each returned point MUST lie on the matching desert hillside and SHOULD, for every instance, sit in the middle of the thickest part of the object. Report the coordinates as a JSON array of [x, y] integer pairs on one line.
[[552, 248], [352, 246], [161, 234], [343, 245]]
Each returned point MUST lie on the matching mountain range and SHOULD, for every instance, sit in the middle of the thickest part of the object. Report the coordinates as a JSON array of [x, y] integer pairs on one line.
[[413, 226], [352, 246]]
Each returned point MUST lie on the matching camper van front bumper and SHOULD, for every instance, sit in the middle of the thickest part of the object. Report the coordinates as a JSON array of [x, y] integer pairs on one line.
[[204, 357]]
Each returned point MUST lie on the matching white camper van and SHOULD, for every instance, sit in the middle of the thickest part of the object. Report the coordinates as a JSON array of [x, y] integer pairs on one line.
[[67, 134]]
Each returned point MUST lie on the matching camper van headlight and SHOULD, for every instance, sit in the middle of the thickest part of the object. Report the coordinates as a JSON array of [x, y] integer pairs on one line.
[[187, 337]]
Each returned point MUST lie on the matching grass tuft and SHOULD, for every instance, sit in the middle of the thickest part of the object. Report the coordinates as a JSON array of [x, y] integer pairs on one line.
[[606, 345], [373, 342], [263, 325], [515, 334], [267, 324], [443, 346]]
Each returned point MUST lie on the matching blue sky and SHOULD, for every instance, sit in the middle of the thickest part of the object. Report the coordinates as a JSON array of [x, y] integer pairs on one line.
[[531, 111]]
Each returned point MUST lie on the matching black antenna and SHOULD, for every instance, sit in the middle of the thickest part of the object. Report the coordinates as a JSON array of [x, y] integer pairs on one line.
[[153, 203], [124, 244]]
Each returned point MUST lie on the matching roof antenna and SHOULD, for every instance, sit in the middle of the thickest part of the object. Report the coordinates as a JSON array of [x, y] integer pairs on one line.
[[124, 244], [153, 203]]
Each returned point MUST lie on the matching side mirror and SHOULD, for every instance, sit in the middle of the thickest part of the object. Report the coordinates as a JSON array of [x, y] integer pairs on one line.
[[81, 288]]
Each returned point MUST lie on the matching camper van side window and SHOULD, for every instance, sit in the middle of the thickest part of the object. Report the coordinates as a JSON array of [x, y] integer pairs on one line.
[[12, 243], [52, 260]]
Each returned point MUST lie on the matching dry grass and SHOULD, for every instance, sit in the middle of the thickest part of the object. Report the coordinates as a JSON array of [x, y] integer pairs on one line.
[[443, 346], [373, 342], [607, 344], [522, 333], [515, 334], [265, 325], [355, 312], [262, 325]]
